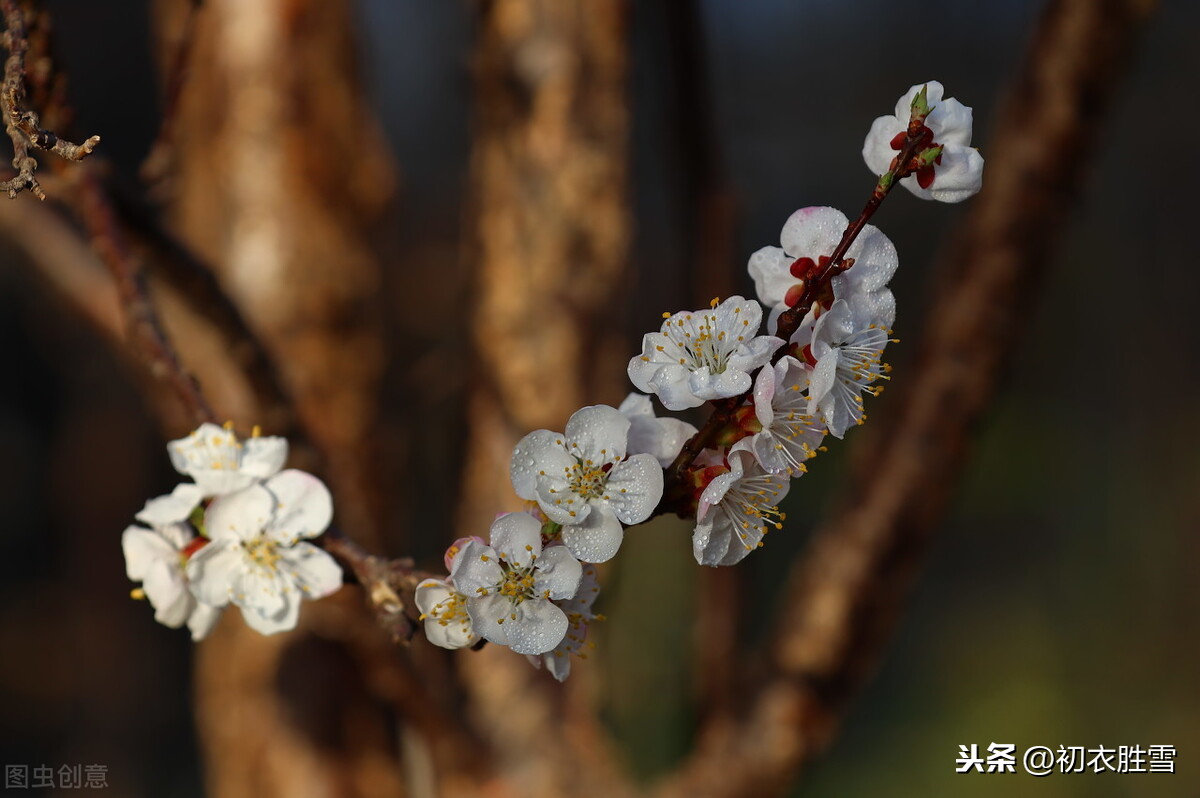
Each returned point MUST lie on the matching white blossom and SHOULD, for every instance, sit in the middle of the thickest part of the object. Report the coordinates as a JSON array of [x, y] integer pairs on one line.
[[809, 238], [789, 435], [257, 559], [220, 463], [736, 509], [579, 617], [847, 348], [958, 172], [157, 557], [582, 480], [510, 585], [705, 354], [444, 611], [661, 438]]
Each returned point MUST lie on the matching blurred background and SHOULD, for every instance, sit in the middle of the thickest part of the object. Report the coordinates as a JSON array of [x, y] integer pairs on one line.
[[1059, 605]]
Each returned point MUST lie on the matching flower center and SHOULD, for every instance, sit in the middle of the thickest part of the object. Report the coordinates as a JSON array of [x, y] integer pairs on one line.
[[452, 609], [587, 480], [518, 583], [262, 552], [703, 341]]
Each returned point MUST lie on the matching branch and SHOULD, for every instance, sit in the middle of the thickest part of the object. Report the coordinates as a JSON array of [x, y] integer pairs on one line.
[[844, 598], [22, 124]]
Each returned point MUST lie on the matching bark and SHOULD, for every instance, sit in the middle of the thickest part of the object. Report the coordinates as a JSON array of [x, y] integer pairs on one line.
[[551, 237], [276, 175]]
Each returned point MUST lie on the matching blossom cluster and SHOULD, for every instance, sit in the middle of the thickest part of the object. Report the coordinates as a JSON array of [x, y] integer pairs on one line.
[[233, 535], [782, 373]]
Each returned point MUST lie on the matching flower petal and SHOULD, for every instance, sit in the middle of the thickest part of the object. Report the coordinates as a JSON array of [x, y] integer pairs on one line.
[[490, 617], [240, 516], [635, 488], [175, 507], [517, 538], [143, 548], [312, 569], [303, 506], [770, 268], [558, 572], [166, 589], [598, 538], [813, 232], [476, 569], [263, 457], [950, 122], [598, 433], [202, 620], [283, 620], [538, 627], [213, 572], [539, 452], [636, 405]]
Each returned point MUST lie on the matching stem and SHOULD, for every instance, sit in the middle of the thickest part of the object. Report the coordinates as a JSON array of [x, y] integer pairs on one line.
[[675, 493]]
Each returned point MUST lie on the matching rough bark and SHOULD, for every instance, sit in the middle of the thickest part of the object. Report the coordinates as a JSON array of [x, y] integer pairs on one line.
[[276, 174], [551, 236]]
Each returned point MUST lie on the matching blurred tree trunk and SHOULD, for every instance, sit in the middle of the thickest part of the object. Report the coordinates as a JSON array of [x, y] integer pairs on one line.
[[551, 238], [276, 173]]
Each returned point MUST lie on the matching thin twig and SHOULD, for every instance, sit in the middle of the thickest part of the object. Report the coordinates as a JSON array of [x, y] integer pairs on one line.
[[146, 330], [22, 124], [158, 161], [844, 599]]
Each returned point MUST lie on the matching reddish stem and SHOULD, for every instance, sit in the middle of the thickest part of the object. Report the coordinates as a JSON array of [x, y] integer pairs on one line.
[[677, 493]]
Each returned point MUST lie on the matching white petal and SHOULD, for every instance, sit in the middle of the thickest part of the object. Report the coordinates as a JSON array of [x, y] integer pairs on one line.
[[264, 591], [176, 506], [263, 457], [661, 438], [538, 627], [813, 232], [476, 568], [167, 592], [636, 405], [452, 635], [958, 176], [490, 617], [672, 384], [877, 149], [517, 538], [714, 492], [752, 354], [213, 571], [202, 620], [303, 507], [709, 542], [541, 451], [770, 268], [875, 259], [142, 548], [705, 385], [598, 433], [316, 573], [635, 488], [282, 621], [558, 663], [950, 122], [430, 593], [558, 572], [598, 538], [240, 516]]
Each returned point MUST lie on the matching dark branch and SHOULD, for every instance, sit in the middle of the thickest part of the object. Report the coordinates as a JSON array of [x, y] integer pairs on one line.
[[22, 124]]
